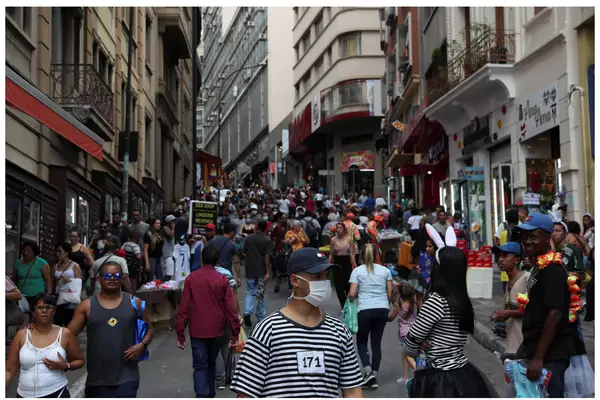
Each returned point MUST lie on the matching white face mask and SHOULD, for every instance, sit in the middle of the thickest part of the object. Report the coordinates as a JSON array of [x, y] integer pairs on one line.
[[320, 292]]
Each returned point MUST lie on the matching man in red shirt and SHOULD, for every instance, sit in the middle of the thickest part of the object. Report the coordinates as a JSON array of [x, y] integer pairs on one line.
[[207, 304]]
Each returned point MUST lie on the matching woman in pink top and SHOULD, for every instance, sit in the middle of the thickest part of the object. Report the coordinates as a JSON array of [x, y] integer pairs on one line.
[[342, 254]]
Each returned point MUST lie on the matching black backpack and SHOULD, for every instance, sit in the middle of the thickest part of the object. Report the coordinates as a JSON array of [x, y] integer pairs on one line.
[[311, 230]]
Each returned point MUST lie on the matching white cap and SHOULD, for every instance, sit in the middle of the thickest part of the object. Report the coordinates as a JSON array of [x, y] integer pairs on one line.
[[170, 218]]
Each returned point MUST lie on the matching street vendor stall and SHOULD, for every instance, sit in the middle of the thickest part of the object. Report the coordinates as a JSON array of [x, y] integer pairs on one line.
[[163, 299], [389, 242]]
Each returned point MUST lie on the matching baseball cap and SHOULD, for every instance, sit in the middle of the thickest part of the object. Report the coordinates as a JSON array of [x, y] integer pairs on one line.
[[537, 221], [308, 259], [170, 218], [350, 216], [210, 227], [508, 247], [379, 218]]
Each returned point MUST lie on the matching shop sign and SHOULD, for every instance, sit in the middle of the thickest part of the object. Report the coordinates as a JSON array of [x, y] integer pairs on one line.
[[471, 174], [398, 125], [591, 93], [301, 127], [476, 134], [531, 199], [538, 112], [316, 112], [437, 149], [362, 159], [202, 213]]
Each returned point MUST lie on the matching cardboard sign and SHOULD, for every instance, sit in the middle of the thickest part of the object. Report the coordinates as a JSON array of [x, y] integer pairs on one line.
[[202, 213]]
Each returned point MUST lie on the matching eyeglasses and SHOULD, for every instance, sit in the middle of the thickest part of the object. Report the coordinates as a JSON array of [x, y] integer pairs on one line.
[[108, 276], [44, 308]]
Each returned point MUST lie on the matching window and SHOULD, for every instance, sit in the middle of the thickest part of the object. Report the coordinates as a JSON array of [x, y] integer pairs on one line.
[[148, 143], [297, 50], [306, 42], [350, 93], [537, 10], [329, 57], [126, 18], [21, 16], [319, 25], [306, 83], [319, 68], [148, 42], [350, 45], [297, 92]]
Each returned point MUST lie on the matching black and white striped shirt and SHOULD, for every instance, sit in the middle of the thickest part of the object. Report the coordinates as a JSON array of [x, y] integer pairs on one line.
[[285, 359], [447, 342]]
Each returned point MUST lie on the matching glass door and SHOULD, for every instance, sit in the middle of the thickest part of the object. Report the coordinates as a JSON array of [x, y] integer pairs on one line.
[[502, 193]]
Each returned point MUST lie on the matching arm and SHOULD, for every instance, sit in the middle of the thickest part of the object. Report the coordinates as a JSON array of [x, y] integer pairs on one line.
[[134, 352], [88, 256], [183, 312], [74, 354], [389, 289], [47, 274], [12, 362], [268, 260], [238, 272], [146, 246], [431, 312], [79, 318], [14, 295], [77, 271], [354, 393], [147, 339], [394, 313], [353, 291]]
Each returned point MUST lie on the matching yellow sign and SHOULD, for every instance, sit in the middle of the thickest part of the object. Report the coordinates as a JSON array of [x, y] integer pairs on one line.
[[398, 125], [112, 322]]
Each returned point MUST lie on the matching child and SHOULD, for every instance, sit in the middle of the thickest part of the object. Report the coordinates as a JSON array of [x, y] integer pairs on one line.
[[405, 307]]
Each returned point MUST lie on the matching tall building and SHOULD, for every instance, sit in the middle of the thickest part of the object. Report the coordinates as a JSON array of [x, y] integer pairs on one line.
[[66, 73], [510, 88], [235, 75], [337, 100]]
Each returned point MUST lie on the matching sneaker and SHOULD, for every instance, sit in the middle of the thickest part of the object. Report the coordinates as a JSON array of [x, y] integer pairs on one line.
[[402, 381], [222, 385], [276, 290], [247, 320], [370, 380], [374, 384]]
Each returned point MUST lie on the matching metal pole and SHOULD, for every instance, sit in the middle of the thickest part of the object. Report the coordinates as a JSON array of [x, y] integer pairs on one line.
[[194, 98], [125, 192]]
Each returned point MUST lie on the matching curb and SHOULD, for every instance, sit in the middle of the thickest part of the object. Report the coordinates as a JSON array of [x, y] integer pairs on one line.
[[485, 337]]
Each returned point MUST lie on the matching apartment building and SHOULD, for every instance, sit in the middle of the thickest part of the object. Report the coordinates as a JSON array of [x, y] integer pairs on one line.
[[337, 107], [510, 88], [234, 82], [66, 73]]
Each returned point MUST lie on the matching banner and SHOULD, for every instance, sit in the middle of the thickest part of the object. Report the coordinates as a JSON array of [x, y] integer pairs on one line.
[[471, 174], [362, 159], [201, 213]]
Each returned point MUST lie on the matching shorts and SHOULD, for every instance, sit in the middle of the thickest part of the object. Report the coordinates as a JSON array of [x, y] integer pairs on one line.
[[402, 340]]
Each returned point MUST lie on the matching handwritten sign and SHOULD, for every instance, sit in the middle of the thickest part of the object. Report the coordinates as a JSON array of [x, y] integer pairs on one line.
[[538, 111], [202, 213]]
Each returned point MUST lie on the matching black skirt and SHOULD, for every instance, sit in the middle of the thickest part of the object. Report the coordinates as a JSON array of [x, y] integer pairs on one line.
[[467, 381]]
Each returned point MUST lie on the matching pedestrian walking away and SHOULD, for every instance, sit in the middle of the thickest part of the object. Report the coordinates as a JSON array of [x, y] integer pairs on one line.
[[300, 351], [110, 321]]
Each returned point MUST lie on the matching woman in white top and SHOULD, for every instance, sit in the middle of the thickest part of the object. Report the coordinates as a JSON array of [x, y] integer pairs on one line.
[[372, 284], [62, 273], [43, 354]]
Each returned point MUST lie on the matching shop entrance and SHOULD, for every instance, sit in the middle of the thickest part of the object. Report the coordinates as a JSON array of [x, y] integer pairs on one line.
[[471, 203], [359, 180]]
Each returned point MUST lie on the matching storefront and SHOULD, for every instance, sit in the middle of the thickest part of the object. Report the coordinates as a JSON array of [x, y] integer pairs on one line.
[[208, 167], [80, 207], [139, 199], [157, 197], [111, 189], [358, 171], [27, 199]]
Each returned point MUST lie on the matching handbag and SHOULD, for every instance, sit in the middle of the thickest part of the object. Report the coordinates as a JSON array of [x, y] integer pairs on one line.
[[141, 328], [69, 292]]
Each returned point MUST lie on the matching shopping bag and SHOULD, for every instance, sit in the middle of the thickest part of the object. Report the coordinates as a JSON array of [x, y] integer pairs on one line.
[[141, 328], [350, 316], [241, 341], [69, 292]]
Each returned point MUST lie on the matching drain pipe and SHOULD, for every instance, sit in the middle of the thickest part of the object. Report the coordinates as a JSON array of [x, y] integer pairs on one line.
[[574, 112]]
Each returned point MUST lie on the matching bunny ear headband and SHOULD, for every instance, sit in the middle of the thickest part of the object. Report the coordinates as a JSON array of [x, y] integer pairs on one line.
[[557, 218], [437, 239]]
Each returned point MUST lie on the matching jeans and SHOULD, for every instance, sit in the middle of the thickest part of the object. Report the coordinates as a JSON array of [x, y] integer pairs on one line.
[[261, 309], [223, 356], [371, 322], [127, 389], [556, 386], [204, 355], [156, 269]]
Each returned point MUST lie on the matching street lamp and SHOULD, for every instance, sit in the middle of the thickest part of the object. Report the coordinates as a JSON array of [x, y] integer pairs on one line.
[[262, 64]]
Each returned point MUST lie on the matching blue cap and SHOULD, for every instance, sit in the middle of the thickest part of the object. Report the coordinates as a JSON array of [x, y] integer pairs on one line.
[[308, 259], [537, 221], [508, 247]]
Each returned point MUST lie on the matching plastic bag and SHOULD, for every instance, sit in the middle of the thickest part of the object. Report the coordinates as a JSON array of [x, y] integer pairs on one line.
[[69, 292], [141, 328], [242, 338], [350, 316]]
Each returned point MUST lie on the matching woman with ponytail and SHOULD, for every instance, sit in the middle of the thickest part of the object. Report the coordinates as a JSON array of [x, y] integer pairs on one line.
[[374, 297]]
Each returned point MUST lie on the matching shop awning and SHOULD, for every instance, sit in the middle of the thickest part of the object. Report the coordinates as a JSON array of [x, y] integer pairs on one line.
[[202, 156], [25, 97]]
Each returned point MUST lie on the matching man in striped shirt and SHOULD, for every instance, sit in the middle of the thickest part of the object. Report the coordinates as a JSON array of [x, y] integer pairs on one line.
[[300, 351]]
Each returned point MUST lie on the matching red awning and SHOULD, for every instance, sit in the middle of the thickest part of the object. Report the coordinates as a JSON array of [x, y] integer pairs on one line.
[[22, 95], [202, 156]]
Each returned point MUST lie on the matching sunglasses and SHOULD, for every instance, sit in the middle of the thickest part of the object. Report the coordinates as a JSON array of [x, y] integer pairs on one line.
[[108, 276], [44, 308]]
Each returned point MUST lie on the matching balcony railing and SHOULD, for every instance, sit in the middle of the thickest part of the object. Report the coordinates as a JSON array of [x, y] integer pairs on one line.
[[488, 48], [348, 97], [76, 85]]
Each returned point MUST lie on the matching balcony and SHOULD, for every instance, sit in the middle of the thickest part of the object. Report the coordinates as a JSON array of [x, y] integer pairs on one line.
[[176, 35], [82, 91], [489, 48], [350, 99]]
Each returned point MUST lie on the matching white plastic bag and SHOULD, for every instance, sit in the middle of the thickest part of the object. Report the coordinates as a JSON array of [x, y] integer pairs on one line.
[[69, 292]]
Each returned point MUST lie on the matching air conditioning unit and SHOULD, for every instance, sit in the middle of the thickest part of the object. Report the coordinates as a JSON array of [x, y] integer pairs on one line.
[[250, 24], [402, 64], [214, 24], [262, 36], [398, 88]]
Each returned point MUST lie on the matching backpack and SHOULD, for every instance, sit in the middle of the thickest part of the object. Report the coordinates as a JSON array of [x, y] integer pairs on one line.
[[509, 231], [311, 230]]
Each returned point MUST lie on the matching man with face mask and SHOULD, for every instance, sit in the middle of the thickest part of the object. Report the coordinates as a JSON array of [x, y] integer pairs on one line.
[[319, 346], [547, 338]]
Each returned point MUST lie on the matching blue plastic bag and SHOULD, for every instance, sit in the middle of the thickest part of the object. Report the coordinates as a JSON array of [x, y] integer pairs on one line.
[[141, 328], [350, 316]]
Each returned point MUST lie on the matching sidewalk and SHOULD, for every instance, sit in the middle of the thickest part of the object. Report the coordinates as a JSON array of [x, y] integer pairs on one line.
[[483, 326]]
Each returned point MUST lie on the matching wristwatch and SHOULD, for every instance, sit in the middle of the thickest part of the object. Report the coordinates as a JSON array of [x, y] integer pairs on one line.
[[68, 367]]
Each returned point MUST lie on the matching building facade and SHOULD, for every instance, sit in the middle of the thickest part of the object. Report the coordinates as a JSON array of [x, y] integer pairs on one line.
[[66, 76], [234, 74], [337, 100], [510, 88]]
